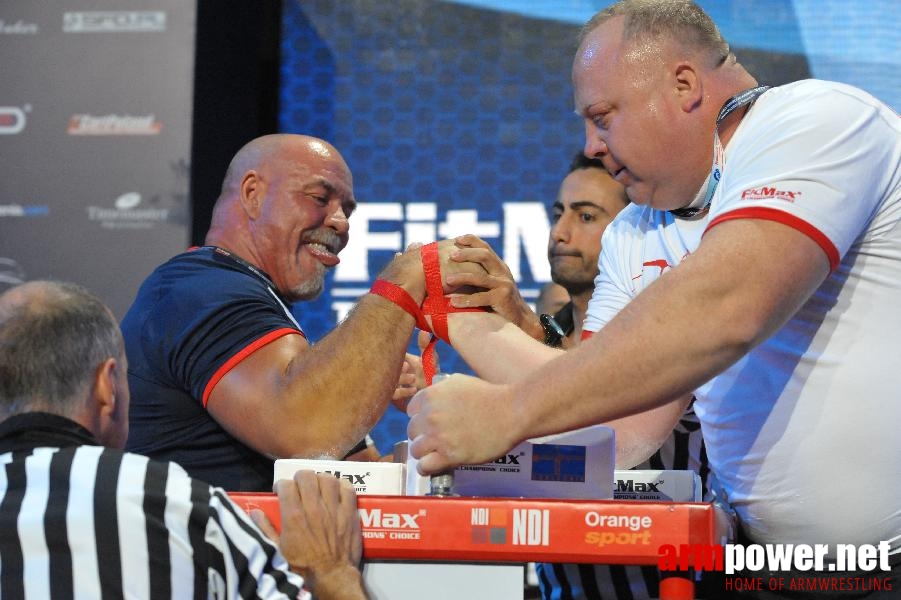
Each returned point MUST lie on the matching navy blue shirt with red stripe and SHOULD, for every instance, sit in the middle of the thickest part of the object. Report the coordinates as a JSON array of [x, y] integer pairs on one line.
[[193, 319]]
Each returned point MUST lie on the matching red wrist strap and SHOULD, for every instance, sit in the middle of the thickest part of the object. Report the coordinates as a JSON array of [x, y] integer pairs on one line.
[[400, 297], [436, 305]]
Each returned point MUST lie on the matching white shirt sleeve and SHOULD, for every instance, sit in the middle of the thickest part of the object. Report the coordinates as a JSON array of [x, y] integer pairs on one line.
[[812, 156]]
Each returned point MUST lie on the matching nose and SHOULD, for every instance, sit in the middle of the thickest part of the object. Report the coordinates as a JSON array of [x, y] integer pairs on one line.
[[560, 231], [336, 219], [595, 146]]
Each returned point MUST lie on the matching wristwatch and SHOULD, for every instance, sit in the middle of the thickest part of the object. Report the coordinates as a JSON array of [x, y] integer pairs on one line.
[[553, 333]]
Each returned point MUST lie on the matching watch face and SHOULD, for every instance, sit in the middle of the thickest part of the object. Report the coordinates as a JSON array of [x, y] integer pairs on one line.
[[553, 333]]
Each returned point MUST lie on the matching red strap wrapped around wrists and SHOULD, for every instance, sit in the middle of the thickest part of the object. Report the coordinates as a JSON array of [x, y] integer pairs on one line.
[[435, 305], [400, 297]]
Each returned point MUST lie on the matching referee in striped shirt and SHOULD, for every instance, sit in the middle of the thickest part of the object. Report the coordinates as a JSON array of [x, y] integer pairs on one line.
[[79, 518]]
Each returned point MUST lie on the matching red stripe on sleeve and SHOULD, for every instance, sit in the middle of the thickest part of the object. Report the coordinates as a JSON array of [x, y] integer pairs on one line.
[[586, 335], [241, 355], [779, 216]]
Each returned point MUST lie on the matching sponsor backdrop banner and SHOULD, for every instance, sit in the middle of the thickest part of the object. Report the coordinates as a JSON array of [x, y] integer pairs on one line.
[[458, 116], [95, 139]]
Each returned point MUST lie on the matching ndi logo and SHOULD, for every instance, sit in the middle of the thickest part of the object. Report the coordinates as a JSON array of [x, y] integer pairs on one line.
[[489, 525], [531, 526]]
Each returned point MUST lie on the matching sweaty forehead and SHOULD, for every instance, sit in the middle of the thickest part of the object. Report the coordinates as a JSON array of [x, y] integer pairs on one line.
[[607, 63], [592, 66], [320, 149], [321, 165]]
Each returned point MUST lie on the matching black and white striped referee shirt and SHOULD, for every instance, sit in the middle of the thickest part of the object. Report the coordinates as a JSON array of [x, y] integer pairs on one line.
[[81, 521]]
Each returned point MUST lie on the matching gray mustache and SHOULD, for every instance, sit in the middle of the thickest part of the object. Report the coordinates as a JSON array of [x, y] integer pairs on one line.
[[326, 237]]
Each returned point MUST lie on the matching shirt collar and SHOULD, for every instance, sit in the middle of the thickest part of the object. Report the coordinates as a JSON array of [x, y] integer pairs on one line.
[[36, 429]]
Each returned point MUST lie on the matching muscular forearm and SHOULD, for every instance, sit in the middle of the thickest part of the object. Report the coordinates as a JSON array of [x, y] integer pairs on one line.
[[340, 388], [681, 331], [497, 350]]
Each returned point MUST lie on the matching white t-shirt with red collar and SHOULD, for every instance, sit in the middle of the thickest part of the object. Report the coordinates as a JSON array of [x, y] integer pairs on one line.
[[803, 432]]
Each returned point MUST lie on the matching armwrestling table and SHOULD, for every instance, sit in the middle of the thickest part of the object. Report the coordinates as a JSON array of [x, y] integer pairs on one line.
[[513, 530]]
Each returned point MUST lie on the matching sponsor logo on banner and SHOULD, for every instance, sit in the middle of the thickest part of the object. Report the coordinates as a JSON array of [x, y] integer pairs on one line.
[[529, 526], [558, 462], [520, 235], [114, 21], [127, 213], [24, 210], [378, 524], [358, 480], [12, 119], [617, 529], [630, 489], [509, 463], [489, 525], [114, 125], [19, 27]]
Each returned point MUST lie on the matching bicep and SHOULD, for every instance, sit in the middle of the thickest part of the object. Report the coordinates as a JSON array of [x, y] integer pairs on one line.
[[247, 400], [765, 271]]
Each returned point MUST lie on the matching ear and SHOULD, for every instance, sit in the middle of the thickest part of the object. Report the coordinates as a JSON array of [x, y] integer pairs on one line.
[[108, 404], [252, 191], [104, 389], [688, 86]]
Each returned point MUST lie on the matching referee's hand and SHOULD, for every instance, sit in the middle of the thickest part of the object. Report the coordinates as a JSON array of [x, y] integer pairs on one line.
[[320, 533]]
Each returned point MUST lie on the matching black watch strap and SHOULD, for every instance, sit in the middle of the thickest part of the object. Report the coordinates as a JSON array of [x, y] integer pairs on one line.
[[553, 333]]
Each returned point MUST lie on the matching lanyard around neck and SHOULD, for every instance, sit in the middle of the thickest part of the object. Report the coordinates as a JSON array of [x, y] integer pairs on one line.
[[737, 101], [242, 263], [270, 286]]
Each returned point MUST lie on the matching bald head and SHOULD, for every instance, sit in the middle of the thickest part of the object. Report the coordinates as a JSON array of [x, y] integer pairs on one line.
[[268, 149], [284, 208], [647, 22], [649, 79], [53, 338]]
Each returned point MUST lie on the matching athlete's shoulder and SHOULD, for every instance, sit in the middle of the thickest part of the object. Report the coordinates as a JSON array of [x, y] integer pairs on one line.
[[818, 96]]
